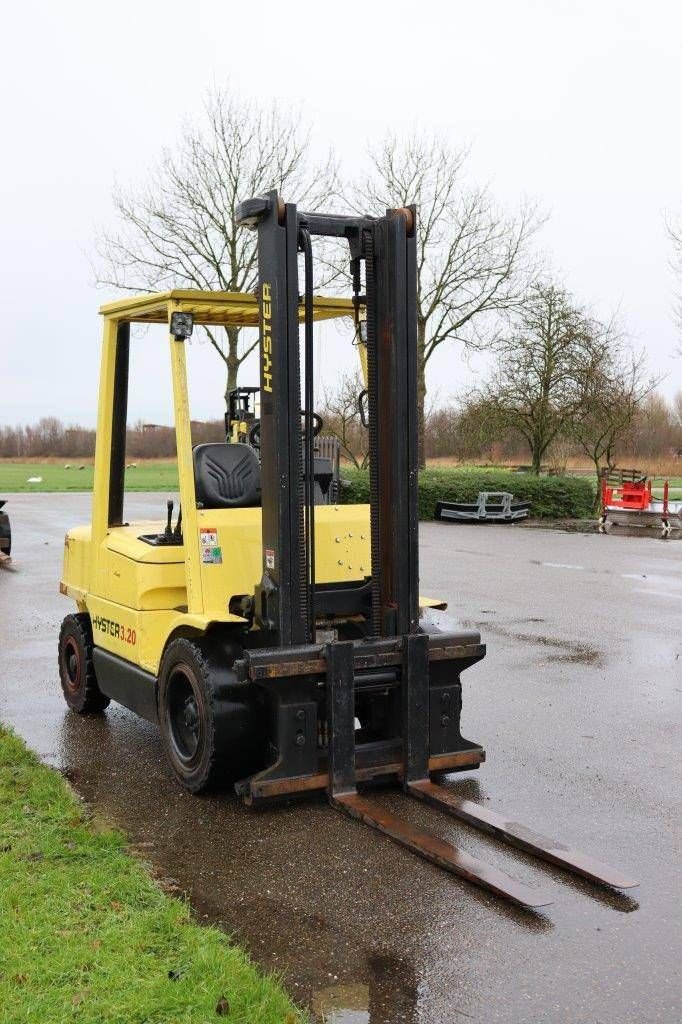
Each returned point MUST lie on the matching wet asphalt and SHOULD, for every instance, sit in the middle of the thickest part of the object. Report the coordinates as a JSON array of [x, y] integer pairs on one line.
[[578, 706]]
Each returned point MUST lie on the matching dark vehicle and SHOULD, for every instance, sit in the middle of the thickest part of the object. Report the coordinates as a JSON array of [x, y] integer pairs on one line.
[[5, 534]]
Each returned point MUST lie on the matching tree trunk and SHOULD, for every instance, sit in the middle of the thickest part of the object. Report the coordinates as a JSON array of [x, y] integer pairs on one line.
[[536, 453], [232, 361], [421, 391], [596, 504]]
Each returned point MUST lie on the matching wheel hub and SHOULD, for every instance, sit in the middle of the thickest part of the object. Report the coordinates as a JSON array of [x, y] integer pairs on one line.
[[72, 664], [191, 715], [184, 717]]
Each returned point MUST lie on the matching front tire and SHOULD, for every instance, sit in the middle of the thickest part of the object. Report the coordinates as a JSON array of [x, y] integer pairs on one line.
[[188, 718], [76, 667]]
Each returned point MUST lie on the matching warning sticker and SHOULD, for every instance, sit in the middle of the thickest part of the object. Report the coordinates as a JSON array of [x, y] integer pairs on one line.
[[211, 553], [269, 558]]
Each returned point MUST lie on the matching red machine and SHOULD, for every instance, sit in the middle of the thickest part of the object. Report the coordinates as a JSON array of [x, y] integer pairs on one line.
[[627, 500]]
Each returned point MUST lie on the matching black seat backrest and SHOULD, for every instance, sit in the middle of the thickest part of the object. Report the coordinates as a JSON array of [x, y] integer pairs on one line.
[[226, 476]]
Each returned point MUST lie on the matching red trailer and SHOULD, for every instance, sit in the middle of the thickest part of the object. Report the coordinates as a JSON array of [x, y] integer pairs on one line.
[[627, 500]]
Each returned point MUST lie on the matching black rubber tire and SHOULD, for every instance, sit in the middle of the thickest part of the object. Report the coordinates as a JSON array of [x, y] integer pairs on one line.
[[186, 688], [76, 667]]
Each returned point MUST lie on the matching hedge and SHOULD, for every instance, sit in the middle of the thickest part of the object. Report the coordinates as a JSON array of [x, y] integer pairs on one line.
[[551, 497]]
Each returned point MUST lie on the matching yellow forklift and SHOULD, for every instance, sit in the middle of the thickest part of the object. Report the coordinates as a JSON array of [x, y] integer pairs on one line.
[[278, 641]]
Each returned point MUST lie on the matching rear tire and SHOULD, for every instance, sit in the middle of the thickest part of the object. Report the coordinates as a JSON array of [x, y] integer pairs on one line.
[[76, 667], [190, 722]]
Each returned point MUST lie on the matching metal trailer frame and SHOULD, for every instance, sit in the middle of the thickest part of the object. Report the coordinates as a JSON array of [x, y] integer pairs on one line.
[[627, 500], [312, 688], [491, 506]]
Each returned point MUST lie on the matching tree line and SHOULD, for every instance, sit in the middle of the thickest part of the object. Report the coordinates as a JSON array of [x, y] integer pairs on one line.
[[50, 438], [466, 431], [472, 430]]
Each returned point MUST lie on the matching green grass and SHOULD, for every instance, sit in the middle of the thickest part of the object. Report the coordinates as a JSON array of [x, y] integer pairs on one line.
[[675, 491], [85, 934], [146, 476], [445, 483]]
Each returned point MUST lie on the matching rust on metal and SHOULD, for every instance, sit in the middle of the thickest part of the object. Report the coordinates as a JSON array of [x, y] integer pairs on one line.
[[408, 217], [429, 846], [271, 788], [283, 669], [458, 759], [515, 834], [317, 666]]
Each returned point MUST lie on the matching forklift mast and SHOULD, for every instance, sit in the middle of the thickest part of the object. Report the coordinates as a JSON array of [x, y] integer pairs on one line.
[[404, 680], [385, 248]]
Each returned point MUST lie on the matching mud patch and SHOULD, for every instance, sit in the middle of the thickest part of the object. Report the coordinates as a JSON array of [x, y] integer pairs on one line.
[[572, 651], [575, 652]]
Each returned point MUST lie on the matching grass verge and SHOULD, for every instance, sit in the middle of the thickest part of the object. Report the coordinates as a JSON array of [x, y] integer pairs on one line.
[[85, 934]]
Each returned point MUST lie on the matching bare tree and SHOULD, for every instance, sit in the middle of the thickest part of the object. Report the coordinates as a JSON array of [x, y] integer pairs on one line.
[[674, 230], [482, 431], [677, 408], [613, 394], [546, 365], [180, 229], [474, 258], [342, 419], [655, 431]]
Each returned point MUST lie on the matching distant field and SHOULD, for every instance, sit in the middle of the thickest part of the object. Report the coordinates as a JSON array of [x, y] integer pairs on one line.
[[153, 476], [675, 491], [146, 476]]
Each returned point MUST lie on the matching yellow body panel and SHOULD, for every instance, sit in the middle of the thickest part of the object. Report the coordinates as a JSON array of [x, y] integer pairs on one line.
[[137, 595]]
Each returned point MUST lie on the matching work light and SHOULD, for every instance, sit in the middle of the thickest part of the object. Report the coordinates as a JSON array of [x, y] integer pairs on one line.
[[181, 325]]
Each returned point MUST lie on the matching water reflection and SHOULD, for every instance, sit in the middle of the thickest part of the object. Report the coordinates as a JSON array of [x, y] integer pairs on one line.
[[342, 1004], [387, 994]]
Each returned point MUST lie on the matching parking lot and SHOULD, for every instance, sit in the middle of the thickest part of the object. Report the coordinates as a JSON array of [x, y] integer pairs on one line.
[[577, 704]]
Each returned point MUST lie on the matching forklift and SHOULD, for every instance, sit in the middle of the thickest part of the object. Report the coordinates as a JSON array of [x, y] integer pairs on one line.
[[277, 641], [241, 421], [242, 426]]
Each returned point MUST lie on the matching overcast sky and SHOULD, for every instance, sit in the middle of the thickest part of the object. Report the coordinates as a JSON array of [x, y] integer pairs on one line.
[[576, 103]]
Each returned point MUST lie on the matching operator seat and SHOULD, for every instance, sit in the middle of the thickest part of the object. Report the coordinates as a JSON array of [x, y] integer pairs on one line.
[[226, 476]]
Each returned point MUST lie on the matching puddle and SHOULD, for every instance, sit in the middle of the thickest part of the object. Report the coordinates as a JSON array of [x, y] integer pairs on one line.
[[342, 1004]]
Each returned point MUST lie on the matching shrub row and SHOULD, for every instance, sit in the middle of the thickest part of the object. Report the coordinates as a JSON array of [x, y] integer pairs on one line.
[[551, 497]]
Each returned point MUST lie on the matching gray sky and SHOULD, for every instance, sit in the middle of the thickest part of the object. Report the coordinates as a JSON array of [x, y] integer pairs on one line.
[[576, 103]]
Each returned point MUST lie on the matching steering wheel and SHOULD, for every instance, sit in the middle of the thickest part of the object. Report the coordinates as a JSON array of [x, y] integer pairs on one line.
[[254, 435], [254, 430], [318, 423]]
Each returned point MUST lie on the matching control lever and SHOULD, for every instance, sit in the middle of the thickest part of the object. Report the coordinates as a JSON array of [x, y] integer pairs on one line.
[[177, 532], [168, 532]]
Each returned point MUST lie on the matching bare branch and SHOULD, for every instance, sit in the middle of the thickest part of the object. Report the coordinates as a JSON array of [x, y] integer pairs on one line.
[[180, 229], [674, 231], [342, 419], [475, 261]]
